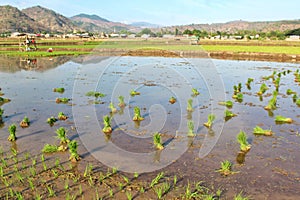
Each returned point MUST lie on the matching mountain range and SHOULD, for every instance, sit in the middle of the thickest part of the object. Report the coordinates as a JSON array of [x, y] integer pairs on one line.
[[40, 19]]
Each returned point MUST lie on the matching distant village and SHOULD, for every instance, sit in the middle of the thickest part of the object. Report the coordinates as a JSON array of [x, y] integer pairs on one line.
[[147, 33]]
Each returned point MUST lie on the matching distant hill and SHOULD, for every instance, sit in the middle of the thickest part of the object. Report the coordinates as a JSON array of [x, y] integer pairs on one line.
[[234, 26], [53, 21], [94, 23], [144, 25], [12, 19], [38, 19]]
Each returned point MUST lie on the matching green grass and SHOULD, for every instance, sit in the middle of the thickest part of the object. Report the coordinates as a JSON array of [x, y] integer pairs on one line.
[[253, 49]]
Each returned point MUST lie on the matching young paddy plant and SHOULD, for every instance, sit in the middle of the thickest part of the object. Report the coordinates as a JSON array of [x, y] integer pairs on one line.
[[298, 102], [272, 103], [248, 83], [137, 114], [295, 98], [157, 179], [229, 114], [25, 122], [228, 104], [59, 90], [225, 169], [12, 133], [242, 140], [1, 113], [172, 100], [195, 92], [260, 131], [263, 89], [121, 103], [191, 132], [133, 93], [157, 141], [107, 124], [51, 120], [282, 119], [190, 105], [62, 116], [113, 109], [62, 100], [74, 156], [95, 94], [210, 119], [61, 134], [290, 91]]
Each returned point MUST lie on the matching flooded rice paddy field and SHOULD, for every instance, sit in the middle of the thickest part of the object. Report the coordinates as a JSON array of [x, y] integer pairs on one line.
[[270, 170]]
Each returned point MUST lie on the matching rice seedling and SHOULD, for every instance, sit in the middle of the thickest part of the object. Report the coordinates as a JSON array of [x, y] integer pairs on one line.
[[239, 97], [62, 136], [59, 90], [240, 197], [1, 113], [282, 119], [107, 124], [133, 93], [190, 105], [62, 116], [174, 180], [121, 102], [112, 107], [94, 94], [195, 92], [128, 195], [229, 114], [111, 193], [12, 133], [158, 192], [4, 100], [210, 119], [242, 140], [55, 173], [290, 91], [272, 103], [156, 179], [38, 196], [172, 100], [190, 125], [25, 122], [136, 175], [228, 104], [259, 131], [19, 177], [295, 97], [189, 194], [31, 184], [66, 186], [51, 192], [49, 148], [137, 114], [225, 169], [88, 170], [157, 141], [74, 156], [298, 102], [19, 196], [263, 89], [51, 120], [32, 171], [62, 100], [277, 83], [248, 83]]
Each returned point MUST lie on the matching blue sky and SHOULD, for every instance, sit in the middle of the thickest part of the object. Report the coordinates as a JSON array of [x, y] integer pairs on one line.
[[171, 12]]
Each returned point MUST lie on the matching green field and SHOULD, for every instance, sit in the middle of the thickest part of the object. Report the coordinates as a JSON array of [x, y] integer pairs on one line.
[[79, 47]]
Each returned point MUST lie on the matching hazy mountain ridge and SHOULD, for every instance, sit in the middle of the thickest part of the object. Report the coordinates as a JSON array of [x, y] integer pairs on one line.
[[39, 19]]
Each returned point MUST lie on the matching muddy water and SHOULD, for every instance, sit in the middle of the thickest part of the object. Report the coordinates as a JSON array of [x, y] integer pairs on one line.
[[270, 169]]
